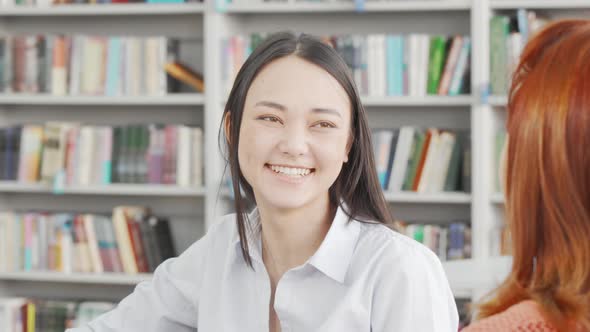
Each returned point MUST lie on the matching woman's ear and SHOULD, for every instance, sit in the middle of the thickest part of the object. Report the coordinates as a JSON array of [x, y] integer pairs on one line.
[[227, 127]]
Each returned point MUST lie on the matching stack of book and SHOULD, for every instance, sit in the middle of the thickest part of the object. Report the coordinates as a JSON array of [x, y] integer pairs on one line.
[[384, 65], [30, 315], [65, 153], [449, 242], [131, 241], [422, 160], [88, 65], [508, 35]]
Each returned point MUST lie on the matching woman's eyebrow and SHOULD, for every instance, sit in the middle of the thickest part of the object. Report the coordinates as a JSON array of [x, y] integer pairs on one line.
[[280, 107]]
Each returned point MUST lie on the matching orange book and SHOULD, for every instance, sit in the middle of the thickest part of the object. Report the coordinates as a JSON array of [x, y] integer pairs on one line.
[[422, 160], [136, 244], [186, 75]]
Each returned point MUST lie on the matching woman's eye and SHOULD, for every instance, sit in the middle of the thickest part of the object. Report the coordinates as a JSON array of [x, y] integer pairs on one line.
[[324, 124], [269, 118]]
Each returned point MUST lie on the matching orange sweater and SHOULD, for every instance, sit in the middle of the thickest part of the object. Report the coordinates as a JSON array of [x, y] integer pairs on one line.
[[522, 317]]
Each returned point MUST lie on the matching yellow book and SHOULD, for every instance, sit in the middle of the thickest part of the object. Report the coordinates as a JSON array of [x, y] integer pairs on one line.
[[30, 317], [186, 75]]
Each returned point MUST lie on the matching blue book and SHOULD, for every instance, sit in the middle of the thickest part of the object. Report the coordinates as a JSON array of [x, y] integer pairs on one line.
[[112, 80], [460, 68], [395, 65]]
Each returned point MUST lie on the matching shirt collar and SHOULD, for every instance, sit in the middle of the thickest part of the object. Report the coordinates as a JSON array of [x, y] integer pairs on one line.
[[334, 255], [332, 258]]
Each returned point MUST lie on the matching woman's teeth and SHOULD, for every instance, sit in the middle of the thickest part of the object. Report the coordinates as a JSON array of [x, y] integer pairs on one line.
[[295, 172]]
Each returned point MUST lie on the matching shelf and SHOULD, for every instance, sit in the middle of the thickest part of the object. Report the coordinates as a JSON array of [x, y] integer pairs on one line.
[[80, 278], [434, 198], [498, 101], [46, 99], [383, 6], [443, 101], [497, 198], [464, 276], [112, 189], [539, 4], [104, 10], [410, 197]]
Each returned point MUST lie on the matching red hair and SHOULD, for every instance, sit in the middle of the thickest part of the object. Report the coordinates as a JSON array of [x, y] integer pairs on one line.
[[548, 178]]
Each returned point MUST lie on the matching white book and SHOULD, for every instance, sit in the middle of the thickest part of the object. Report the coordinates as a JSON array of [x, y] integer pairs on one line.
[[371, 64], [402, 154], [183, 163], [429, 163], [3, 248], [133, 66], [424, 56], [86, 150], [43, 228], [162, 60], [197, 157], [95, 260], [10, 314], [67, 248], [447, 142], [414, 63], [77, 54], [381, 68], [357, 72], [436, 166], [151, 50], [32, 64]]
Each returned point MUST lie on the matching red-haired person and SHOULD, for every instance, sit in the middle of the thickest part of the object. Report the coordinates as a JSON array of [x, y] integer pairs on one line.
[[547, 187]]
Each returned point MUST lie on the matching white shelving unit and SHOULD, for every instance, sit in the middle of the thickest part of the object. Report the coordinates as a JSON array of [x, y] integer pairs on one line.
[[131, 9], [320, 8], [188, 99], [193, 210]]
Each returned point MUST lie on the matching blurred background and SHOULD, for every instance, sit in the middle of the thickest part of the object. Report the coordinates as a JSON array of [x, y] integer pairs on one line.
[[110, 110]]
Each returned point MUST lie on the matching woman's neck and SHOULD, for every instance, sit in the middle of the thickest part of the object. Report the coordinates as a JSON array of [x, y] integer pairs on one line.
[[290, 237]]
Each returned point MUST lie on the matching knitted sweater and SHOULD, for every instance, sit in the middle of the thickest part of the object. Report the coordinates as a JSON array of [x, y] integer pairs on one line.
[[522, 317]]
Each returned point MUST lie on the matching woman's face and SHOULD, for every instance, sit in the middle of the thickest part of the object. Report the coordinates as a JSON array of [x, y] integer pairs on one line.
[[294, 134]]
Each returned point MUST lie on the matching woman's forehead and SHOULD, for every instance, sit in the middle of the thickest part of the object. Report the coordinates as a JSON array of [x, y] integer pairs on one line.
[[292, 81]]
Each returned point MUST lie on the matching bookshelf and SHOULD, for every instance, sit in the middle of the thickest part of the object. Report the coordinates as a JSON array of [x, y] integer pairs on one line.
[[242, 7], [105, 10], [180, 99], [193, 210]]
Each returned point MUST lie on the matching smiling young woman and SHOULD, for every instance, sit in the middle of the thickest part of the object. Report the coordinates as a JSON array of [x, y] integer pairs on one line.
[[316, 252]]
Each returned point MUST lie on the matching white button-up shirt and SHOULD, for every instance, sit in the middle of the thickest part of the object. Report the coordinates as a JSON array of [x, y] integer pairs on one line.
[[363, 277]]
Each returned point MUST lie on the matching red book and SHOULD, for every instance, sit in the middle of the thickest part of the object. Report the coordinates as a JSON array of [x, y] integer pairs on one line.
[[136, 243], [422, 160]]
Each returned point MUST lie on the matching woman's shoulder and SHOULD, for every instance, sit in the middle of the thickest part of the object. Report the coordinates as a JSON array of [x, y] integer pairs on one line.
[[524, 316]]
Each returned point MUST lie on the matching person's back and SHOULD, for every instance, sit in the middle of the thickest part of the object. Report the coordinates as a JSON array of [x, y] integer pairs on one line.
[[522, 317], [547, 187]]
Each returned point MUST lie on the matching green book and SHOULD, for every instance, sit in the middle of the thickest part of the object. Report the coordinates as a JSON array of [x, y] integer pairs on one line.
[[436, 63], [414, 160], [499, 31], [419, 233], [452, 179], [115, 154]]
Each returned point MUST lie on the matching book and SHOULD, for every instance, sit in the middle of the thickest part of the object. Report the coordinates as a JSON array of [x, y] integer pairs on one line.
[[186, 75]]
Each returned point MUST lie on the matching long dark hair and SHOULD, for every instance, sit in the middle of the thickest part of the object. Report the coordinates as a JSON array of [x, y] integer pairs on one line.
[[357, 186]]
